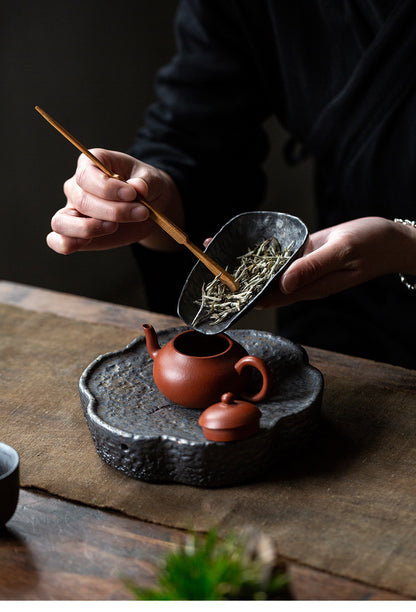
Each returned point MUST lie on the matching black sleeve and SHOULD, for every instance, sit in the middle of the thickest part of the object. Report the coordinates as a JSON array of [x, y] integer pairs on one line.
[[205, 129]]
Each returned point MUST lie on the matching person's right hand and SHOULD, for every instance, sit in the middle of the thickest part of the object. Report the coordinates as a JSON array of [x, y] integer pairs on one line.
[[103, 212]]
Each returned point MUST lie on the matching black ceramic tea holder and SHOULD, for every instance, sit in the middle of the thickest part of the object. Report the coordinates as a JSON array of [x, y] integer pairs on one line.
[[234, 239], [138, 431]]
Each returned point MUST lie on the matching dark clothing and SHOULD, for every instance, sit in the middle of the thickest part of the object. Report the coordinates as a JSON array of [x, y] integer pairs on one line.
[[340, 77]]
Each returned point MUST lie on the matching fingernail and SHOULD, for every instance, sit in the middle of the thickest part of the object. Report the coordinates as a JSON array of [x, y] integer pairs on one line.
[[108, 226], [140, 185], [139, 213], [126, 193], [285, 285]]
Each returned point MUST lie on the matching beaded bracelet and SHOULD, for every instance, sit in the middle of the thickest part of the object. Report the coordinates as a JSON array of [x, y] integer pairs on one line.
[[409, 285]]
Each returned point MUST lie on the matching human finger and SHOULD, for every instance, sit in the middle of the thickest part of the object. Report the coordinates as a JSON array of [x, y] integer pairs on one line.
[[313, 266], [125, 234], [69, 222], [65, 245], [150, 183], [135, 177], [328, 284], [93, 180], [90, 205]]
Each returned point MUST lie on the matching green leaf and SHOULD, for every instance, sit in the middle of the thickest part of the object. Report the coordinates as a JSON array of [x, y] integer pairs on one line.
[[206, 567]]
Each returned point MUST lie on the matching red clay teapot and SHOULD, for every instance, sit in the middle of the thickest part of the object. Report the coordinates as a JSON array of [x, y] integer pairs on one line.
[[195, 370]]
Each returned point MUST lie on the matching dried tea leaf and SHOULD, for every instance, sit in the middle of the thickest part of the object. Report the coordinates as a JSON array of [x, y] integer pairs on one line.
[[256, 268]]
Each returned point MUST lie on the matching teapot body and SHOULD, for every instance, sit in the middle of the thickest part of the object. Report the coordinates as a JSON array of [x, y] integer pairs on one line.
[[194, 370]]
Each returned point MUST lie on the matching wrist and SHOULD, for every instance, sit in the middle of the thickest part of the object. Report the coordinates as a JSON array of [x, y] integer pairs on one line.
[[406, 245], [407, 229]]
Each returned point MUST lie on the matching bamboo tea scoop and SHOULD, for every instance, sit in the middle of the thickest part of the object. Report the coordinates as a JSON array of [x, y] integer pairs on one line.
[[159, 218]]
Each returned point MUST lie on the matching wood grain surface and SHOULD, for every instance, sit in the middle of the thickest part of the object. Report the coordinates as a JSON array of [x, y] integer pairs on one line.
[[53, 549], [57, 550]]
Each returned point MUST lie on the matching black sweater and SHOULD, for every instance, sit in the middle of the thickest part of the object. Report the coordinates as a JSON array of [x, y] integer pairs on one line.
[[340, 78]]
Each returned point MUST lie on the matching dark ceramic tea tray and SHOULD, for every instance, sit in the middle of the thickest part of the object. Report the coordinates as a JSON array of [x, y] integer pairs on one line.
[[138, 431]]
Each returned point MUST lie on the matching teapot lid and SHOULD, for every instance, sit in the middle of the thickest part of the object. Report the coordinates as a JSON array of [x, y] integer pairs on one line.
[[237, 419]]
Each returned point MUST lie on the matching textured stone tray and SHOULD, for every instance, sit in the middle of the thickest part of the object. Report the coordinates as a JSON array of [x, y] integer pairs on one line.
[[138, 431]]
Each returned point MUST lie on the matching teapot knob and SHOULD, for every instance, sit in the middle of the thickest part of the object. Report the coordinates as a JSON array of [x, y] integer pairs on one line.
[[230, 419], [227, 398]]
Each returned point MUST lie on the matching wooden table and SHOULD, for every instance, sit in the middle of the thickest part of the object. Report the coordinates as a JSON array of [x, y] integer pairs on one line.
[[58, 550]]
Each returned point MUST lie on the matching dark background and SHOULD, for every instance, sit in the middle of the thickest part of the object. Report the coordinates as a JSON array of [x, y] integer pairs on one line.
[[91, 65]]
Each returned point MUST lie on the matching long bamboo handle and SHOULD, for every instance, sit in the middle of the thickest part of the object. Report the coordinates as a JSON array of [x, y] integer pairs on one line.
[[158, 217]]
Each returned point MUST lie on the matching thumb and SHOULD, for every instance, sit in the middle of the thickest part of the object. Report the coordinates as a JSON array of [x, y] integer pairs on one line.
[[309, 268], [141, 186]]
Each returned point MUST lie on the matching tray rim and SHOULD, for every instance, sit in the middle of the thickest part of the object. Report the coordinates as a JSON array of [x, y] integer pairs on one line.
[[93, 401], [160, 458]]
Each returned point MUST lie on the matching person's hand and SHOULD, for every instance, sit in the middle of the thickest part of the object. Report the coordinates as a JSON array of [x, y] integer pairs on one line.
[[343, 256], [103, 212]]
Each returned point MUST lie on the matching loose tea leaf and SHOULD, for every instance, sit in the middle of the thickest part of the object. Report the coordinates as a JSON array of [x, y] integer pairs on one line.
[[256, 268]]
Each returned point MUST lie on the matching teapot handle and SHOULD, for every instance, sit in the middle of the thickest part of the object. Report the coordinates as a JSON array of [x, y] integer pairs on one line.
[[259, 364]]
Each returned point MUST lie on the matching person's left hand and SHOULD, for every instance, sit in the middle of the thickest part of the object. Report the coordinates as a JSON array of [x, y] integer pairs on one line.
[[343, 256]]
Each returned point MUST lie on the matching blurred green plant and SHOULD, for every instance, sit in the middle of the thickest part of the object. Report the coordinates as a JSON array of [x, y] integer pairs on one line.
[[208, 567]]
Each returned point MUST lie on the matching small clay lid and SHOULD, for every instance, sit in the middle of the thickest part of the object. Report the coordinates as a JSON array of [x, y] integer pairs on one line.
[[230, 419]]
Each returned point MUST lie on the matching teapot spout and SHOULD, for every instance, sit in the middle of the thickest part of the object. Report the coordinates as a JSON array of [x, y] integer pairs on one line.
[[152, 343]]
